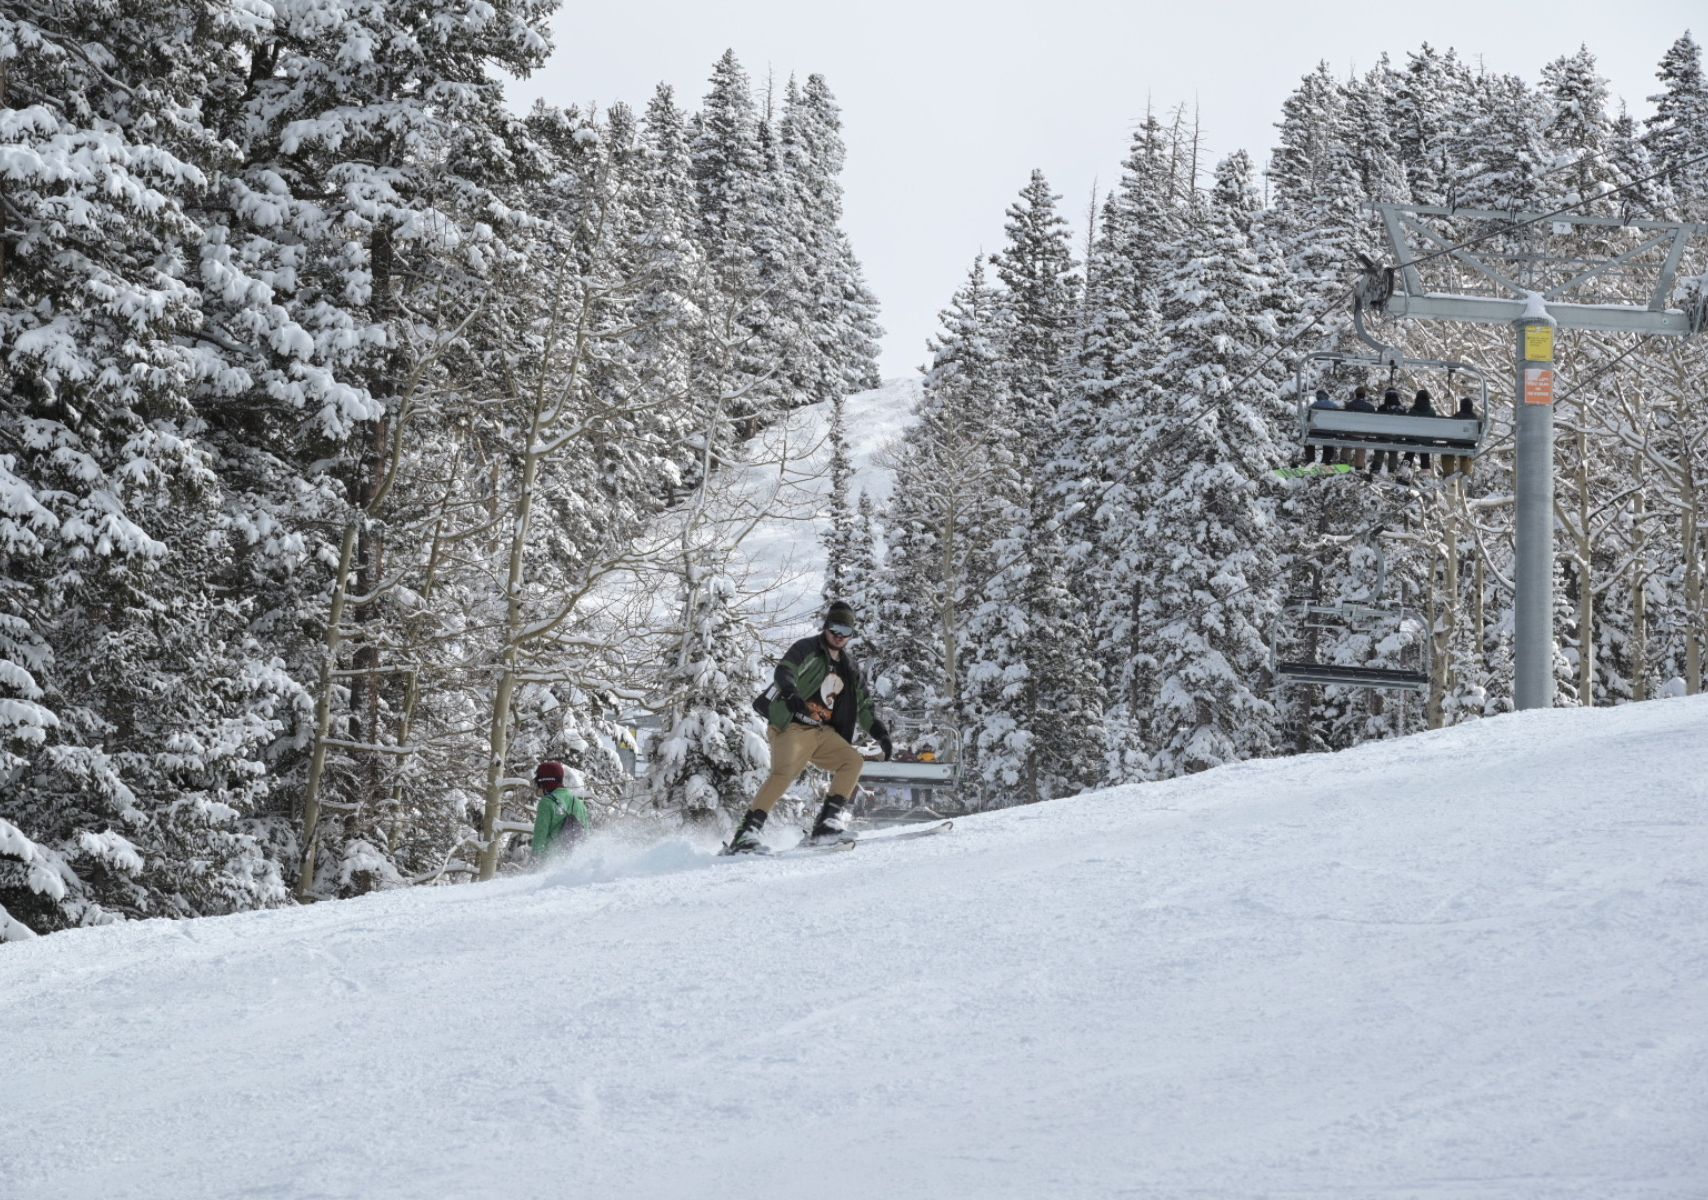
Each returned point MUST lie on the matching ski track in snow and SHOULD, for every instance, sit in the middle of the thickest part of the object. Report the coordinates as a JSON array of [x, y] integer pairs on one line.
[[1467, 964]]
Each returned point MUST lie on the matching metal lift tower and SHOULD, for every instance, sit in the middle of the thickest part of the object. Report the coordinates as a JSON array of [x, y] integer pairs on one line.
[[1532, 271]]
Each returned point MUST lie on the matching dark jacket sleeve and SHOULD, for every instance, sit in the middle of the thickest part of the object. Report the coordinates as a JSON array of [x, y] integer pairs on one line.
[[784, 675]]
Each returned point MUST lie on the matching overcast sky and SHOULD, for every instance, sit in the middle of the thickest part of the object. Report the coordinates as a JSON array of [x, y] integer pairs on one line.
[[948, 107]]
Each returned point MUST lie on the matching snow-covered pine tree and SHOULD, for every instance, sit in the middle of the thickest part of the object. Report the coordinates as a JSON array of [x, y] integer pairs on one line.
[[1423, 103], [1035, 711], [1498, 157], [1368, 143], [1677, 134], [667, 311], [135, 712], [950, 469], [1317, 196], [1578, 131], [1215, 580], [377, 143], [862, 577], [744, 238], [837, 351], [1337, 152], [839, 545], [860, 332], [1102, 460], [711, 756]]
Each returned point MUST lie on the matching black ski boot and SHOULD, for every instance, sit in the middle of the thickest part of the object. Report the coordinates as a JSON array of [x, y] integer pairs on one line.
[[832, 823], [746, 839]]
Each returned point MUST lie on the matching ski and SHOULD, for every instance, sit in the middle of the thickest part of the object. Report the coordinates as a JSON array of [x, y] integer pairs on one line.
[[799, 850], [921, 831], [804, 847], [1312, 472]]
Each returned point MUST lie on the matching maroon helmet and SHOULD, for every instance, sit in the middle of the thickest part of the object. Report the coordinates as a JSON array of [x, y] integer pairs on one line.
[[549, 775]]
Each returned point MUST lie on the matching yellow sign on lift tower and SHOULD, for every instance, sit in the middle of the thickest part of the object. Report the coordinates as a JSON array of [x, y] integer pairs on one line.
[[1539, 343]]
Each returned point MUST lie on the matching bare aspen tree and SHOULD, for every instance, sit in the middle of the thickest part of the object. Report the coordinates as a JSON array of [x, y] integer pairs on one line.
[[386, 470]]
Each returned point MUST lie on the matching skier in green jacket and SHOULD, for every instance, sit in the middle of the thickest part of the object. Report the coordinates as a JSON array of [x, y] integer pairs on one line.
[[816, 700], [561, 819]]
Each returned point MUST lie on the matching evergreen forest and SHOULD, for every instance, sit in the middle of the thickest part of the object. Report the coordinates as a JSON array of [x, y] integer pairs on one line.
[[360, 443]]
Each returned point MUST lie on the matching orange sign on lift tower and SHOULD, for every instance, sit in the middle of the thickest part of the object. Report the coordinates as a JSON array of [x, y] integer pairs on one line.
[[1538, 385]]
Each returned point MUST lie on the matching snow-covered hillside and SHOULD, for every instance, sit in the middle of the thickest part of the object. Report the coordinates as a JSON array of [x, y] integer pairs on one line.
[[1471, 963], [788, 551]]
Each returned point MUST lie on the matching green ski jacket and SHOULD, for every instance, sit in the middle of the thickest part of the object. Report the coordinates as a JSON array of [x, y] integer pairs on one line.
[[801, 673], [558, 809]]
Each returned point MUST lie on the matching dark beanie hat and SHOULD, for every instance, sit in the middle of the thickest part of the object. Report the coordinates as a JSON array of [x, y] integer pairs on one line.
[[839, 613]]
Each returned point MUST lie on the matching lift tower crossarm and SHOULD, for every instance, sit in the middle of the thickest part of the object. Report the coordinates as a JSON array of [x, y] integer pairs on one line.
[[1487, 310], [1414, 242]]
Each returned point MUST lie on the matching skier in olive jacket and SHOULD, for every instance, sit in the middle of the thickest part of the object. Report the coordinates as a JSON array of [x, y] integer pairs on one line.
[[815, 702], [561, 819]]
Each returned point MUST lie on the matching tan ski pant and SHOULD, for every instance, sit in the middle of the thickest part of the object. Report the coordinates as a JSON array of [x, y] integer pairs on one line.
[[792, 749]]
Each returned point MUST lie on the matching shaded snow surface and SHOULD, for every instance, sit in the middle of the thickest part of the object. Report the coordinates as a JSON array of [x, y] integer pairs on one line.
[[1471, 963]]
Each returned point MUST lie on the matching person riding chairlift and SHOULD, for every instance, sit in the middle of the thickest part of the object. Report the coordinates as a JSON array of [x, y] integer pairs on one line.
[[1390, 407], [1360, 402], [1420, 407], [1461, 462], [1324, 401]]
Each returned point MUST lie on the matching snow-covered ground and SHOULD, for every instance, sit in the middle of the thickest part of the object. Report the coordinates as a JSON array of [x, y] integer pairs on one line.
[[1472, 963]]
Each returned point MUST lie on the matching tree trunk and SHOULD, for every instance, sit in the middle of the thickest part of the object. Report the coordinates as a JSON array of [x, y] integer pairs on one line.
[[1479, 647], [412, 696], [1441, 625], [949, 617], [1586, 579], [1692, 583], [1639, 606], [498, 734], [1304, 699], [364, 489], [4, 242], [323, 712]]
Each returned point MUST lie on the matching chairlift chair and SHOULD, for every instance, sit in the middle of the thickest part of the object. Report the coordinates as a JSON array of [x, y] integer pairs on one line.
[[911, 774], [1448, 436], [1304, 614], [940, 772]]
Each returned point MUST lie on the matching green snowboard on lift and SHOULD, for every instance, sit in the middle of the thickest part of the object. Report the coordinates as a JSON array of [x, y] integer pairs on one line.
[[1312, 471]]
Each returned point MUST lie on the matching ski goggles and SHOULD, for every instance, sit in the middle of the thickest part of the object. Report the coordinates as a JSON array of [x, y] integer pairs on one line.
[[842, 631]]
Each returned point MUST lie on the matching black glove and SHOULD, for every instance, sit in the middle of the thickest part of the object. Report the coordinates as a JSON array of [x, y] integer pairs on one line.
[[881, 735], [797, 706]]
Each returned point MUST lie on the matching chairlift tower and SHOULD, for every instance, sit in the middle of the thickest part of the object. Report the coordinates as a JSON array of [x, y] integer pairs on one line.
[[1531, 271]]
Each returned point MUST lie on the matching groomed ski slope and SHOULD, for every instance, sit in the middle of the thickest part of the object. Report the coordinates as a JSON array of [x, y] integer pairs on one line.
[[1472, 963]]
